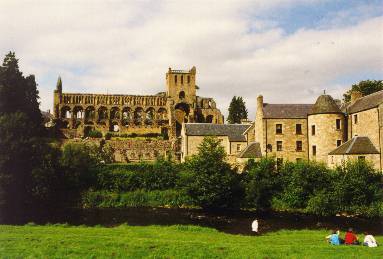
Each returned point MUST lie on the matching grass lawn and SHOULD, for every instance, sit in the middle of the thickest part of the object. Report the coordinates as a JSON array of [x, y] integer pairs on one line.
[[58, 241]]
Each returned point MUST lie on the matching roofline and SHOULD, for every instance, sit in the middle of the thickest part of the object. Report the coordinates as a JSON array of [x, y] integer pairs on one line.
[[353, 139], [319, 113], [250, 125], [290, 118], [374, 107]]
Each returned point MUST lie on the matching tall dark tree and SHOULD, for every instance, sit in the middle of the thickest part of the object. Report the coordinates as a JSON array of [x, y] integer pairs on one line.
[[365, 87], [237, 110], [19, 93], [21, 149]]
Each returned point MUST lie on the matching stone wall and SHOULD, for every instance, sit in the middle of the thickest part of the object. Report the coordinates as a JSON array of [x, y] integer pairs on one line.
[[337, 160], [289, 139], [368, 124], [132, 150]]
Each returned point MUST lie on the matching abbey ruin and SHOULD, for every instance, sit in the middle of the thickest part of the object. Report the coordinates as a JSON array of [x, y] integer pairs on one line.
[[163, 113]]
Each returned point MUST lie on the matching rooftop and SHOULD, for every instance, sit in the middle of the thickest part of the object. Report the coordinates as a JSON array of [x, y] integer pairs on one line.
[[253, 150], [286, 111], [233, 131], [355, 146], [325, 104], [366, 102]]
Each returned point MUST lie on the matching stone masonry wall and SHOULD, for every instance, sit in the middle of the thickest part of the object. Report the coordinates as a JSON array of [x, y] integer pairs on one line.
[[288, 138]]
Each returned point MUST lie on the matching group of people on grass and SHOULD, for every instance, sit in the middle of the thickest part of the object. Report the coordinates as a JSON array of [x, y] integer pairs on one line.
[[351, 239]]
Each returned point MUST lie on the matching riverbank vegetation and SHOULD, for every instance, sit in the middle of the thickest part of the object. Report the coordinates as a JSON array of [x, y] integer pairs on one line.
[[178, 241], [207, 181]]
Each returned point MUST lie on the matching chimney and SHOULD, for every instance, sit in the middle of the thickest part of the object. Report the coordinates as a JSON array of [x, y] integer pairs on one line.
[[355, 95], [259, 102]]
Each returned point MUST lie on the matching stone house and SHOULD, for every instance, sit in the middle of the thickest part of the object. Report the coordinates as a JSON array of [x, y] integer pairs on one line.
[[324, 131], [235, 139]]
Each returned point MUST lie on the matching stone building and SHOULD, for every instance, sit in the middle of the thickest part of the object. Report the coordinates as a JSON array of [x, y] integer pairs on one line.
[[355, 148], [282, 130], [235, 138], [325, 131], [78, 113]]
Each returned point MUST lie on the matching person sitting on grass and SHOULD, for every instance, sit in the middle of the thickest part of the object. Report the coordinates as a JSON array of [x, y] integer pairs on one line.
[[334, 238], [350, 238], [369, 240]]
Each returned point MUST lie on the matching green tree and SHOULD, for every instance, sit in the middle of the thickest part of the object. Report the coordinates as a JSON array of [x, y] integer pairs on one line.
[[209, 179], [365, 87], [237, 110], [22, 151], [19, 93], [261, 181]]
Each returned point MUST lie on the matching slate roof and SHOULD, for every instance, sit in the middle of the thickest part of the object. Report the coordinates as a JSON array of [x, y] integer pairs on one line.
[[286, 111], [366, 102], [325, 104], [253, 150], [356, 145], [233, 131]]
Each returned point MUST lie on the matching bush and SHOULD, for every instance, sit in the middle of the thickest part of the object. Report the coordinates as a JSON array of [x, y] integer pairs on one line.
[[77, 162], [261, 181], [94, 134], [138, 198], [209, 179], [160, 175], [108, 135]]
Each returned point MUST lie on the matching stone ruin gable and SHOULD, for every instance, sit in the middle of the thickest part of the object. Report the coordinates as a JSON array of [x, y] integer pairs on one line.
[[133, 150]]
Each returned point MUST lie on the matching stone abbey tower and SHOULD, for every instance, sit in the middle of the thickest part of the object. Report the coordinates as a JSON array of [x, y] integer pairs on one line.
[[163, 113]]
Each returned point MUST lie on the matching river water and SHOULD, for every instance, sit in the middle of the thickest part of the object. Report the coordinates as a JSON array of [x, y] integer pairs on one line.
[[233, 222]]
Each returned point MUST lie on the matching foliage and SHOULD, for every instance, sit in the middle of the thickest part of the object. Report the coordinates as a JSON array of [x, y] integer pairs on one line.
[[23, 152], [365, 87], [237, 110], [209, 179], [77, 162], [357, 184], [94, 134], [177, 241], [137, 198], [300, 181], [160, 175], [261, 181], [18, 94]]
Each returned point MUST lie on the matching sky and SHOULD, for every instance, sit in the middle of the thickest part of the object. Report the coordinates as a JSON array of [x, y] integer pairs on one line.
[[289, 51]]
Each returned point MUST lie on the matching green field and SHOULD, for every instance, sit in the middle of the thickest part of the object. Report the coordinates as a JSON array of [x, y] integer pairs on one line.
[[58, 241]]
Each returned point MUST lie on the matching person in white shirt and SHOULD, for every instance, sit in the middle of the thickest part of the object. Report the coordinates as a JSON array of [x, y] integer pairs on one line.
[[254, 226], [369, 240]]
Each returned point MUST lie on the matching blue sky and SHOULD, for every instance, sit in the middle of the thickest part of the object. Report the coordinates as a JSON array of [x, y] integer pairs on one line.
[[287, 50]]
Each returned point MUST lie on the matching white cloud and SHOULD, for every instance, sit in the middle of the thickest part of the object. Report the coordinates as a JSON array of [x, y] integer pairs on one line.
[[126, 47]]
